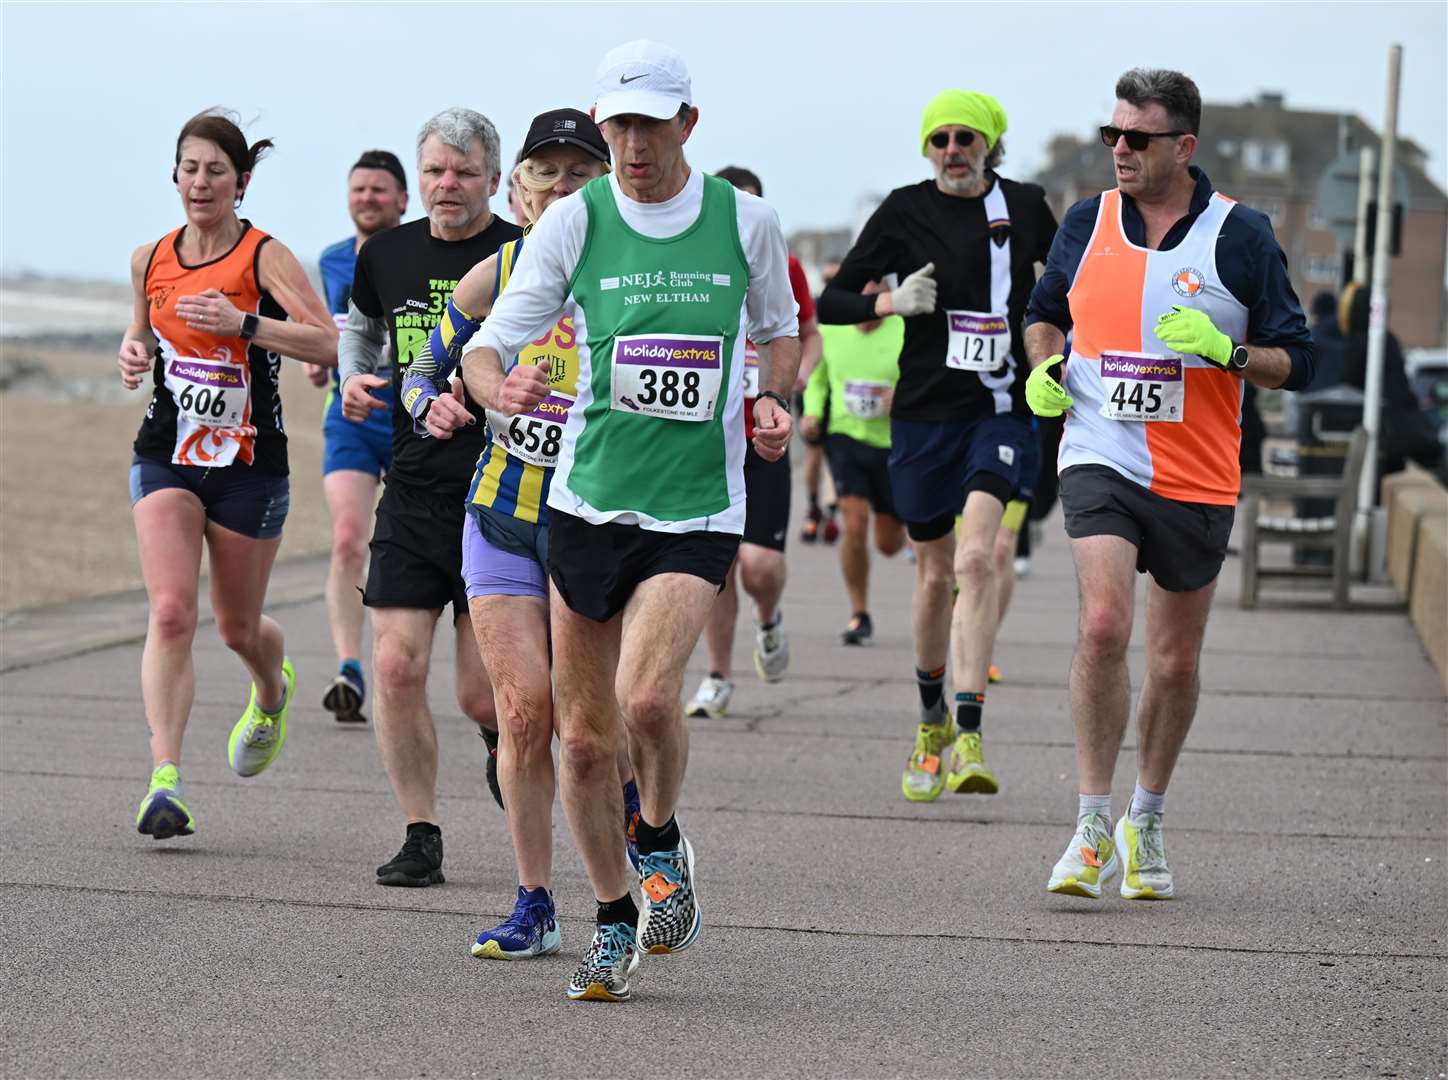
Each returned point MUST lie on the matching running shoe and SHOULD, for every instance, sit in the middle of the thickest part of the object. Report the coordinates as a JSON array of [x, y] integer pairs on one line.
[[859, 629], [831, 530], [612, 957], [669, 919], [631, 816], [532, 929], [993, 674], [345, 694], [418, 864], [771, 650], [712, 698], [809, 528], [1090, 860], [924, 777], [1147, 876], [1022, 566], [969, 774], [258, 737], [163, 814], [491, 739]]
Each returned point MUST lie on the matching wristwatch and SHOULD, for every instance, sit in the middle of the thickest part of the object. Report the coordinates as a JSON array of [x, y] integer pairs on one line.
[[778, 399], [249, 323], [1238, 360]]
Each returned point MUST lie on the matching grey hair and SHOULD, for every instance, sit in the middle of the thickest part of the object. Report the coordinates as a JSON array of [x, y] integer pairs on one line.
[[1172, 90], [996, 155], [460, 128]]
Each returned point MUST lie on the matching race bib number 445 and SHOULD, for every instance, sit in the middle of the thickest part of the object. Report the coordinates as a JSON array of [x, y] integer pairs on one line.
[[1143, 387], [672, 376]]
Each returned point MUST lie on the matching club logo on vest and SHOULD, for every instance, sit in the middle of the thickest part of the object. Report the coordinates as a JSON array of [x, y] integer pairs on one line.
[[1188, 281]]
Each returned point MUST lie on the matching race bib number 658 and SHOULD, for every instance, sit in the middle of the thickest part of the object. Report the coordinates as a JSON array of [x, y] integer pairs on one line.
[[672, 376]]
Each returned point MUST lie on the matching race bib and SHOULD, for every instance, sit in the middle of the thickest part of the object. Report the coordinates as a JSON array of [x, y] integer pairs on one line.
[[751, 370], [1143, 387], [865, 399], [536, 436], [979, 341], [672, 376], [210, 396]]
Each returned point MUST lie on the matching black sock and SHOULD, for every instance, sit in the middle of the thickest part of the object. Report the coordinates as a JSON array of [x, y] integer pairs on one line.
[[967, 711], [716, 675], [423, 827], [662, 838], [932, 686], [814, 502], [622, 910]]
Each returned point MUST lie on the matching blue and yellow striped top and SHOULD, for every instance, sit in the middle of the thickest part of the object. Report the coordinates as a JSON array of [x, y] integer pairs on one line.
[[515, 469]]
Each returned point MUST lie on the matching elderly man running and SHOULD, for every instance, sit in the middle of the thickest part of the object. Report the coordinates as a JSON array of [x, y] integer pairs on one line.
[[667, 270]]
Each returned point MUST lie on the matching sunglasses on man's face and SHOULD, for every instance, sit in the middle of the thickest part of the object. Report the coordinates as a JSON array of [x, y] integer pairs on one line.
[[941, 139], [1137, 140]]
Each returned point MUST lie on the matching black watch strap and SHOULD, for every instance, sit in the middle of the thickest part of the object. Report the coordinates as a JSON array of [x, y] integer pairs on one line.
[[778, 399]]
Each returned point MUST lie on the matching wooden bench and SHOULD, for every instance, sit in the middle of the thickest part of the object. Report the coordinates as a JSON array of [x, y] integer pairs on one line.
[[1332, 533]]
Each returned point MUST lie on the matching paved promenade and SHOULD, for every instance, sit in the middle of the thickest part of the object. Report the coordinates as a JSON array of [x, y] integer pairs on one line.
[[847, 932]]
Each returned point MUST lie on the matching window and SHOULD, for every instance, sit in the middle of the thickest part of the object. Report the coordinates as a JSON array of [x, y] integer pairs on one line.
[[1325, 269], [1265, 156]]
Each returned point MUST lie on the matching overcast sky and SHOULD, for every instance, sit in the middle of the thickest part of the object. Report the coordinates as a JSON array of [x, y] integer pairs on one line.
[[822, 100]]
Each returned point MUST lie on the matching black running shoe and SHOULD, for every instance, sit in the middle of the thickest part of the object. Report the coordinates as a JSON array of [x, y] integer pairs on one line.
[[491, 738], [418, 864], [858, 630]]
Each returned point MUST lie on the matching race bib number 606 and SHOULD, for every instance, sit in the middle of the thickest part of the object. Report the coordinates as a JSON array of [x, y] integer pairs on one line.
[[672, 376]]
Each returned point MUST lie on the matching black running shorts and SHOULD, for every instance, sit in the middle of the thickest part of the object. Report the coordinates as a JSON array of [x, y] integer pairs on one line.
[[597, 568], [417, 551], [766, 493], [1180, 544], [861, 470]]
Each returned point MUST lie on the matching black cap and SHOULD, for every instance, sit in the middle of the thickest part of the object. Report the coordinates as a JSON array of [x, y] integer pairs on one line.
[[565, 126], [382, 159]]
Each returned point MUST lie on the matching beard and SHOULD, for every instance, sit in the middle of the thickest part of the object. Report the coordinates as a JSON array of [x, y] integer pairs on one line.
[[969, 181]]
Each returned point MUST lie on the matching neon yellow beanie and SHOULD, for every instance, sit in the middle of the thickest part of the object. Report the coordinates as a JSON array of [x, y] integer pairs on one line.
[[968, 108]]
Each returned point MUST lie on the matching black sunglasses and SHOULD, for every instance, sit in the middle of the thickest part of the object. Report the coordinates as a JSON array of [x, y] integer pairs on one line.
[[941, 139], [1137, 140]]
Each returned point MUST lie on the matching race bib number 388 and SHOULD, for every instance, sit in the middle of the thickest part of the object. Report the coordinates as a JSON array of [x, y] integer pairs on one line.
[[1142, 387], [672, 376]]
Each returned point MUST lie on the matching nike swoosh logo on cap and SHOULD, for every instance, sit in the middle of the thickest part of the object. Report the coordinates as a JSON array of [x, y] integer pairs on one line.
[[623, 80]]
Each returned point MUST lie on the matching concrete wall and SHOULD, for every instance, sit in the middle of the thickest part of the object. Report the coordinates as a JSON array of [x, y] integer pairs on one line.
[[1418, 556]]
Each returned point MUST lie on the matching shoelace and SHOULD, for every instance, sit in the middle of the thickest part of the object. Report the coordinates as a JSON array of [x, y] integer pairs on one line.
[[527, 916], [261, 730], [1151, 850], [611, 944], [666, 864]]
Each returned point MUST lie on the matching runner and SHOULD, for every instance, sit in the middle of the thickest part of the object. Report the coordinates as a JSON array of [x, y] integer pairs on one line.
[[1012, 531], [1175, 296], [217, 304], [666, 270], [853, 386], [959, 422], [354, 456], [817, 524], [505, 537], [404, 278], [760, 563]]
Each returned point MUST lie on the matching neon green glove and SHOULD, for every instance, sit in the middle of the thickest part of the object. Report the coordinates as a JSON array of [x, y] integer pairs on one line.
[[1188, 330], [1045, 395]]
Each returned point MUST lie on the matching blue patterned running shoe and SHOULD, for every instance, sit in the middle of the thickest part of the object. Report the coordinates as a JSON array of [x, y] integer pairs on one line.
[[631, 814], [532, 929], [669, 919], [611, 958]]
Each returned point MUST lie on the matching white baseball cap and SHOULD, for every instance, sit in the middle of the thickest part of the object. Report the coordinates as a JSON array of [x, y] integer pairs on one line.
[[642, 77]]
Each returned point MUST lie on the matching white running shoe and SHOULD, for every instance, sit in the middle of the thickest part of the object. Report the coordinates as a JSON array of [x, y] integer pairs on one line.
[[1090, 860], [771, 650], [1139, 839], [711, 700]]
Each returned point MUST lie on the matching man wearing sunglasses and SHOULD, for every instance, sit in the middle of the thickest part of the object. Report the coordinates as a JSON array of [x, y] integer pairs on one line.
[[964, 246], [1176, 297]]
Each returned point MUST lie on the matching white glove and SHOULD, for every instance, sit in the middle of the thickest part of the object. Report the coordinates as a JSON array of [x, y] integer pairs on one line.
[[916, 294]]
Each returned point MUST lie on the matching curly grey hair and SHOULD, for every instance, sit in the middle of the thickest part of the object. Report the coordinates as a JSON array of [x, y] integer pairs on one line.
[[460, 128]]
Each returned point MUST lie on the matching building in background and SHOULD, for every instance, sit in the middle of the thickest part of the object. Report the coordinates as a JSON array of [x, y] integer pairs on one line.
[[1270, 157]]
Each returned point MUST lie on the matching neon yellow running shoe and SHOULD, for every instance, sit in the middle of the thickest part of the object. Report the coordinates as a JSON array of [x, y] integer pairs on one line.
[[924, 776], [258, 737], [969, 774], [163, 814], [1141, 845], [1090, 860], [993, 674]]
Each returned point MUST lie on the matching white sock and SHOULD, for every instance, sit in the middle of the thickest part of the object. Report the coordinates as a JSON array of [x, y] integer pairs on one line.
[[1147, 802], [1093, 804]]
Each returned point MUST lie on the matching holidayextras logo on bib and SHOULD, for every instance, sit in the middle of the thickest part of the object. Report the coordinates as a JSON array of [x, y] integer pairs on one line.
[[226, 376]]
